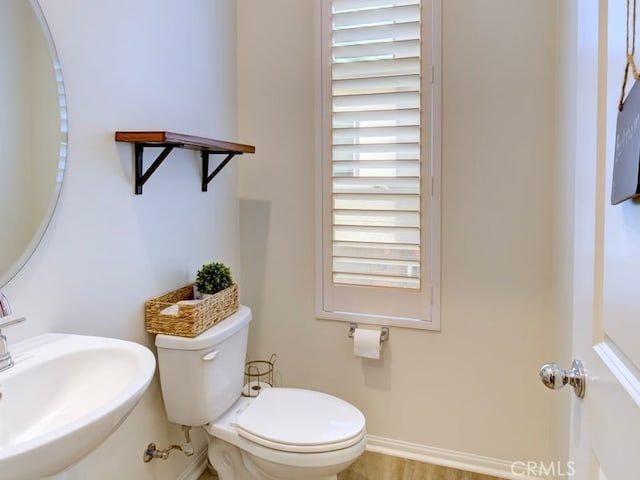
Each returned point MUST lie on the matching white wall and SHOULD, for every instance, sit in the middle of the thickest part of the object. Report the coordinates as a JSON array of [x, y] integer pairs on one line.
[[564, 194], [141, 65], [473, 387]]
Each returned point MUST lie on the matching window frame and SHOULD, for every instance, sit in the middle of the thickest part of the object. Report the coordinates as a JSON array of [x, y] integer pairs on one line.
[[430, 181]]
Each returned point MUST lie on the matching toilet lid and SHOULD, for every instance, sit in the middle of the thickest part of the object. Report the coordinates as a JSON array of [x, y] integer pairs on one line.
[[297, 420]]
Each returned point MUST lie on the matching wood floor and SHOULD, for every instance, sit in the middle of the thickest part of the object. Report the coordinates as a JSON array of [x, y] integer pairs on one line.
[[375, 466]]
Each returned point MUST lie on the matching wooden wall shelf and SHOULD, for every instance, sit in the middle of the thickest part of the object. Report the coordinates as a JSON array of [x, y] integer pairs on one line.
[[170, 140]]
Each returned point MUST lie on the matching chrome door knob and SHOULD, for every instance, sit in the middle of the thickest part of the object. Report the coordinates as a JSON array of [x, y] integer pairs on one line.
[[555, 377]]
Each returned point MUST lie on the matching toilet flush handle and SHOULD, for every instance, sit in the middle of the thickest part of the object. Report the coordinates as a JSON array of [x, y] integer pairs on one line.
[[210, 356]]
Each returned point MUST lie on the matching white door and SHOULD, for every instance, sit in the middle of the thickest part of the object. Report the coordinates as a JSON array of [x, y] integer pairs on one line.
[[605, 424]]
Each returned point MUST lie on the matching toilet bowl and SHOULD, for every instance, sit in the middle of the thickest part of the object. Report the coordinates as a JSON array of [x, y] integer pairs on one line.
[[282, 434]]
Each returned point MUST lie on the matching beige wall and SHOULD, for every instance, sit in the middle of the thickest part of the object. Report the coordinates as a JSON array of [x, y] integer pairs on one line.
[[134, 65], [473, 387], [30, 110], [16, 34]]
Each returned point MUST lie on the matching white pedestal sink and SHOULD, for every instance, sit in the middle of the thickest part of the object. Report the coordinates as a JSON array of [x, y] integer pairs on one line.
[[63, 397]]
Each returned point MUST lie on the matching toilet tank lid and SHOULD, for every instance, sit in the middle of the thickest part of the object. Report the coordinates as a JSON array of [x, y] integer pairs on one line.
[[210, 337]]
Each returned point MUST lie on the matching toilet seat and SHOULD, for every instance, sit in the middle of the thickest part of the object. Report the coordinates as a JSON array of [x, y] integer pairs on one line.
[[300, 421]]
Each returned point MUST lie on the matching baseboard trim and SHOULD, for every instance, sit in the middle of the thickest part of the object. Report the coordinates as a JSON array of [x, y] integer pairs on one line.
[[446, 458], [196, 467], [411, 451]]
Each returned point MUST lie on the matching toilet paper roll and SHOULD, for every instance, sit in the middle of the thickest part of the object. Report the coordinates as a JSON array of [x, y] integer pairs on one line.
[[252, 389], [366, 343], [172, 310]]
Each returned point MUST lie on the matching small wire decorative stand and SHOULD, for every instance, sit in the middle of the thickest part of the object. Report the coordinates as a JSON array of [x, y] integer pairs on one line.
[[258, 375]]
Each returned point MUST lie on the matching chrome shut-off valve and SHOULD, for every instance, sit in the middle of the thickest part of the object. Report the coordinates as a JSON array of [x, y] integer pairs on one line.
[[555, 377]]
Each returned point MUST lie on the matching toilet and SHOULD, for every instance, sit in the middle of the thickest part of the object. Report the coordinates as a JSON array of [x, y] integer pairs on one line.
[[281, 434]]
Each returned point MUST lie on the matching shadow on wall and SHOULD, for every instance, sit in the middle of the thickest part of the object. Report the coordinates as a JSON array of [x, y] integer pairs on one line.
[[255, 216]]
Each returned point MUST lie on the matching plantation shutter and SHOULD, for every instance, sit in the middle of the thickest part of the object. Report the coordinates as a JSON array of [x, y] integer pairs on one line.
[[376, 147]]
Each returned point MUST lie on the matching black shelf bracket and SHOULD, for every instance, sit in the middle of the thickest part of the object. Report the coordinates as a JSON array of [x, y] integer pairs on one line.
[[206, 177], [141, 176]]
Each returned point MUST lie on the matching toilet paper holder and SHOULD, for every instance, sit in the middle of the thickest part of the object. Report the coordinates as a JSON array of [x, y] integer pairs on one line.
[[258, 374], [384, 332]]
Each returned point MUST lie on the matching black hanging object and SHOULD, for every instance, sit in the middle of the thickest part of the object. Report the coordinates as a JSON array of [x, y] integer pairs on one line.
[[626, 166]]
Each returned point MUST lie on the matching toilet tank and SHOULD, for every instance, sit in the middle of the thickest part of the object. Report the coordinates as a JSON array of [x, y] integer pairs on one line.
[[201, 377]]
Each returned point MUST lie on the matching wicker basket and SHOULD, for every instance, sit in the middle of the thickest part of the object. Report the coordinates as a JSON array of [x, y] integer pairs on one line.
[[191, 320]]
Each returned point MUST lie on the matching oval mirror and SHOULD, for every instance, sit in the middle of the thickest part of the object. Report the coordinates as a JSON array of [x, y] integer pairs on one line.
[[33, 132]]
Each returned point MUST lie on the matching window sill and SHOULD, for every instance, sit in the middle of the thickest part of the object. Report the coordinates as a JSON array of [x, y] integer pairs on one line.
[[385, 321]]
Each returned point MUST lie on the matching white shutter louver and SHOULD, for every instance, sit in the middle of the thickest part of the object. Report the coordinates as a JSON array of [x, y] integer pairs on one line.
[[376, 143]]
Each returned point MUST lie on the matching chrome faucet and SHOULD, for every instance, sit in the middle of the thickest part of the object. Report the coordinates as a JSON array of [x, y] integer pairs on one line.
[[6, 319]]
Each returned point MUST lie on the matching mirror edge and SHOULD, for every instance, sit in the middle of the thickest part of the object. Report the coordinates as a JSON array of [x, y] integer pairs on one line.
[[62, 157]]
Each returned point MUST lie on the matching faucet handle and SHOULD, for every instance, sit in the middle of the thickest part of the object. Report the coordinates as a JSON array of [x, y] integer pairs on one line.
[[5, 307], [11, 320]]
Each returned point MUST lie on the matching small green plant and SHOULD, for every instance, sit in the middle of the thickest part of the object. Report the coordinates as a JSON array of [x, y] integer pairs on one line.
[[213, 277]]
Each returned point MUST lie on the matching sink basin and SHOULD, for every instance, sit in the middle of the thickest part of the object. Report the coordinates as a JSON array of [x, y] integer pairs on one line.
[[63, 397]]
